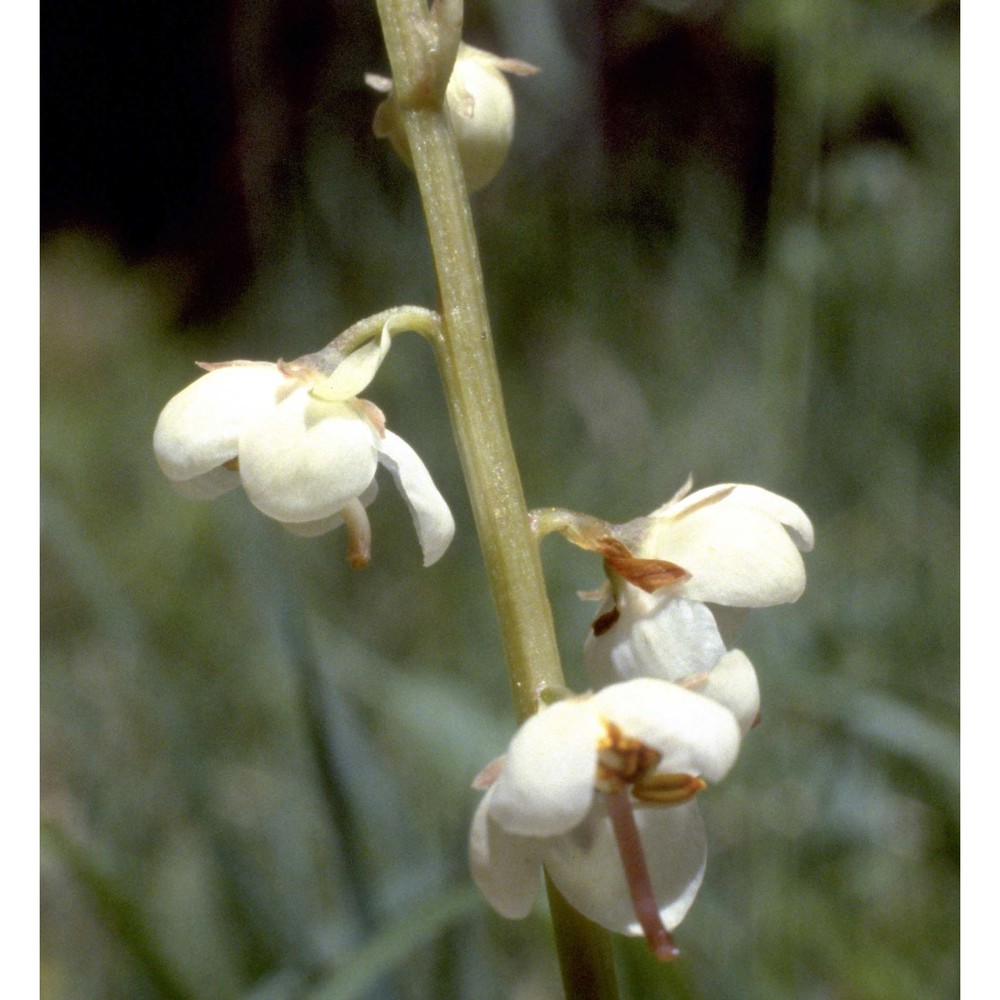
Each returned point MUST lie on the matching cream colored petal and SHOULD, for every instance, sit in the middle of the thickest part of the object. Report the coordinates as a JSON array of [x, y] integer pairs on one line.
[[199, 428], [791, 515], [587, 868], [740, 544], [733, 684], [304, 461], [693, 733], [505, 867], [778, 508], [209, 485], [312, 529], [355, 372], [547, 783], [431, 515], [481, 105], [656, 635]]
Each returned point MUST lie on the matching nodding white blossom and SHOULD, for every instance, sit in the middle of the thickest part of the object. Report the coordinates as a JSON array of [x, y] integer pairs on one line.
[[557, 799], [301, 443], [734, 546], [480, 104]]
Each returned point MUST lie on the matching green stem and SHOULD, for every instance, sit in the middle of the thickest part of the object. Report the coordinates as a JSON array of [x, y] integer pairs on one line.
[[469, 370], [423, 321], [399, 318], [418, 45], [585, 956]]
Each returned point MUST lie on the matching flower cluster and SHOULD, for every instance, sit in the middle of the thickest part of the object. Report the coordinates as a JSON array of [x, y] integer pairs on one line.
[[591, 787], [599, 789], [301, 443]]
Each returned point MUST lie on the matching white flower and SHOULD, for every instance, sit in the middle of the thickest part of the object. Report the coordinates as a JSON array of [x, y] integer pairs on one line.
[[563, 798], [732, 545], [302, 445], [481, 107]]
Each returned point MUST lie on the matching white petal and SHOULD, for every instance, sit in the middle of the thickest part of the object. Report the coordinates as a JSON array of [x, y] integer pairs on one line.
[[693, 733], [304, 461], [791, 515], [312, 529], [209, 485], [431, 516], [199, 428], [355, 372], [733, 684], [587, 868], [506, 867], [547, 783], [741, 547], [482, 115], [656, 635]]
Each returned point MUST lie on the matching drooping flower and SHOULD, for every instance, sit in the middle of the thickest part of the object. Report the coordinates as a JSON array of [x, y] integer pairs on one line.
[[732, 546], [599, 790], [481, 107], [302, 444]]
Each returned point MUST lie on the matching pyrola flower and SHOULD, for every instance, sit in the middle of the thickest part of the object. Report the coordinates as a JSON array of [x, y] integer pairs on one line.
[[481, 107], [302, 444], [732, 546], [600, 790]]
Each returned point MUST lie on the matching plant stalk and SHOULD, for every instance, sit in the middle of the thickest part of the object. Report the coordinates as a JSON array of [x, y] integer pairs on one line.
[[417, 42], [469, 370]]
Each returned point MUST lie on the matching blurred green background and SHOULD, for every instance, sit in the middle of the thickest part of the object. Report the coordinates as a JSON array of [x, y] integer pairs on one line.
[[726, 244]]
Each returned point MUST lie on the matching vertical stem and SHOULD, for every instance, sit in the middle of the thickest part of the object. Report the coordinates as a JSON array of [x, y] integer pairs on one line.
[[469, 370], [472, 388], [586, 961]]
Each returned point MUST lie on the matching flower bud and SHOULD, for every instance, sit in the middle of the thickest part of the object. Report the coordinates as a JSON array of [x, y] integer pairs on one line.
[[481, 106]]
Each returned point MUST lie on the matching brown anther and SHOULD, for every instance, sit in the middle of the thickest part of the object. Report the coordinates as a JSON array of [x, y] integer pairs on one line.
[[602, 623], [622, 760], [667, 789], [233, 465], [646, 574]]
